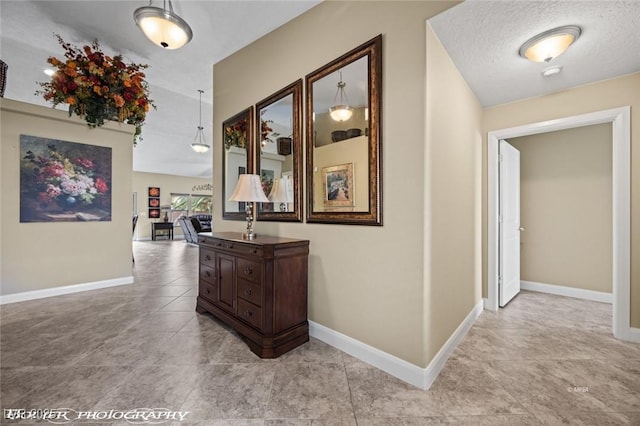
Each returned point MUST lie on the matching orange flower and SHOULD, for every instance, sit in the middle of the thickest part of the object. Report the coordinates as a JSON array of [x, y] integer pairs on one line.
[[119, 100], [97, 90], [71, 100]]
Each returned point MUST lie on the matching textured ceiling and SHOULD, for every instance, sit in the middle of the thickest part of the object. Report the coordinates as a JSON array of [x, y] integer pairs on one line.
[[483, 38]]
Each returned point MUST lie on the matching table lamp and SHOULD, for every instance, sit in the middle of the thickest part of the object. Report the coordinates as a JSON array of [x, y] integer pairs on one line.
[[249, 190], [281, 192]]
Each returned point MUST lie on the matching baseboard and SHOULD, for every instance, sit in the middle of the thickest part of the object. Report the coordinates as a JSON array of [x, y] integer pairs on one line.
[[630, 334], [67, 289], [438, 361], [576, 293], [422, 378]]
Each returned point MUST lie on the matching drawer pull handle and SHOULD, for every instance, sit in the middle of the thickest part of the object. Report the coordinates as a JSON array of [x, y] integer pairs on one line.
[[228, 246], [247, 291], [208, 291], [208, 273], [247, 271], [207, 257], [254, 251], [248, 313]]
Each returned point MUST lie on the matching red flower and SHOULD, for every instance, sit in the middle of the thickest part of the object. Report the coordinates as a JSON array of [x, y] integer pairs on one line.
[[127, 96], [101, 185], [86, 163]]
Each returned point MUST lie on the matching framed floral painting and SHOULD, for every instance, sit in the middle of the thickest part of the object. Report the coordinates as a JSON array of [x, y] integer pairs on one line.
[[64, 181]]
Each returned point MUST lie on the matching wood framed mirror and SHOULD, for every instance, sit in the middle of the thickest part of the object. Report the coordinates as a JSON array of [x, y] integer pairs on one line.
[[278, 153], [344, 140], [237, 134]]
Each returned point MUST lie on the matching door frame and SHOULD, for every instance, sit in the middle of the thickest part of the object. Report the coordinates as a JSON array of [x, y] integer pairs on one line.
[[620, 119]]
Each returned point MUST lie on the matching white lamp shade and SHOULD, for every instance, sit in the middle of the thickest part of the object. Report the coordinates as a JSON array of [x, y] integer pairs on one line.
[[340, 112], [249, 189], [281, 191], [162, 27], [200, 147]]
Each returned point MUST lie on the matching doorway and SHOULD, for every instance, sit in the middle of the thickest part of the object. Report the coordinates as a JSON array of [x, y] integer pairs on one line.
[[620, 118]]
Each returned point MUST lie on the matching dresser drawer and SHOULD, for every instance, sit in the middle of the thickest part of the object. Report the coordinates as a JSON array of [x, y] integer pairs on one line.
[[207, 257], [208, 291], [250, 313], [232, 247], [250, 291], [248, 270], [207, 273]]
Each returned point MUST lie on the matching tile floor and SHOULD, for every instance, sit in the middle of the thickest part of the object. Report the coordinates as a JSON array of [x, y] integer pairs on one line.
[[542, 360]]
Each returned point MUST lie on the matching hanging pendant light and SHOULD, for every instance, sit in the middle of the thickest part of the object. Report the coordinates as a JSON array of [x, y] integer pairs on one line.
[[341, 111], [162, 26], [199, 144]]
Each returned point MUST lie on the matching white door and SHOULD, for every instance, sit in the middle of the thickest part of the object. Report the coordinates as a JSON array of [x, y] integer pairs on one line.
[[509, 226]]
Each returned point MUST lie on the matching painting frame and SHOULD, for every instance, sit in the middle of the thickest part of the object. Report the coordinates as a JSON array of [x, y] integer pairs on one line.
[[154, 192], [64, 181], [337, 186]]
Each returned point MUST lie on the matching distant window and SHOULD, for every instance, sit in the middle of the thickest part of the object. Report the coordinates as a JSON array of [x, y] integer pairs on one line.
[[190, 204]]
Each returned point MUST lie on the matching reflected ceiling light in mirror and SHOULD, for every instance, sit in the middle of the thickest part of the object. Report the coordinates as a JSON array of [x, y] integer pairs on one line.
[[341, 111], [199, 144], [162, 26], [550, 44], [249, 191]]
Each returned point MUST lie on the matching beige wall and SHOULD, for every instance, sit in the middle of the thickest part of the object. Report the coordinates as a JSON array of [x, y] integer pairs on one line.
[[354, 151], [566, 207], [366, 282], [43, 255], [599, 96], [167, 184], [452, 208]]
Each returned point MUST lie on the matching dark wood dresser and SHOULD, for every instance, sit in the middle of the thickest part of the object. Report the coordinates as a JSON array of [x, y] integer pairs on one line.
[[258, 287]]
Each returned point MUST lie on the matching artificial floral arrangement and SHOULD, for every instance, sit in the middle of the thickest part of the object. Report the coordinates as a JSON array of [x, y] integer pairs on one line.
[[236, 134], [265, 129], [98, 87]]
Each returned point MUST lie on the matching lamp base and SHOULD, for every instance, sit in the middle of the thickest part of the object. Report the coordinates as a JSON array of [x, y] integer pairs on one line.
[[249, 236]]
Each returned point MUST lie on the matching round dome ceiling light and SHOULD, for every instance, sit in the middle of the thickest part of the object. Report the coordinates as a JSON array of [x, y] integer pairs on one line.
[[550, 44]]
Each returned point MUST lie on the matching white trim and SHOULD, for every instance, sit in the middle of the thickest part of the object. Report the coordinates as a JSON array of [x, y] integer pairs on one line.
[[576, 293], [486, 305], [621, 174], [422, 378], [67, 289], [437, 363], [632, 335]]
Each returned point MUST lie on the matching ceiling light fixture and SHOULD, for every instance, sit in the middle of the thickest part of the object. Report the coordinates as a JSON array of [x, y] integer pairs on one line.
[[341, 111], [162, 26], [50, 72], [550, 44], [199, 144], [547, 72]]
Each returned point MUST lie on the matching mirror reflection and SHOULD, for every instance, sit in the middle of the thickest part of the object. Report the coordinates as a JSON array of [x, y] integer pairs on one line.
[[340, 139], [278, 153], [236, 133], [344, 142]]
